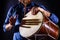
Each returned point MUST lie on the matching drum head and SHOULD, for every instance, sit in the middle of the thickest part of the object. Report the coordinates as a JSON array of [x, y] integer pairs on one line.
[[27, 32]]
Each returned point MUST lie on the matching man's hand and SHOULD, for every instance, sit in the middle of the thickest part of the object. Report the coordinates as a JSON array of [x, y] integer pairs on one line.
[[36, 9], [12, 20]]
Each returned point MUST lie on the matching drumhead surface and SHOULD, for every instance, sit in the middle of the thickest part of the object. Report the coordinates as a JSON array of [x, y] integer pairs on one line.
[[27, 32]]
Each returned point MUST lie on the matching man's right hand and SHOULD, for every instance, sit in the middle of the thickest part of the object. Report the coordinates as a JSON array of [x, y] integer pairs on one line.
[[12, 20]]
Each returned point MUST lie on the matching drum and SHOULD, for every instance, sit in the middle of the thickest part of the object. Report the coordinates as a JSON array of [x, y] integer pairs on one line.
[[37, 24]]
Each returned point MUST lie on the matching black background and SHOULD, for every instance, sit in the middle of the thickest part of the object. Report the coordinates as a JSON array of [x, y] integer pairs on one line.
[[51, 5]]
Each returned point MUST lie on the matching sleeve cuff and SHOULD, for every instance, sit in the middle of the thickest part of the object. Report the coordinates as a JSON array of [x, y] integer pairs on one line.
[[4, 29], [54, 18]]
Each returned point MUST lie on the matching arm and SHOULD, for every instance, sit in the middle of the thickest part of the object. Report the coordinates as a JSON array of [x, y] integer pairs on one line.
[[52, 16], [7, 25]]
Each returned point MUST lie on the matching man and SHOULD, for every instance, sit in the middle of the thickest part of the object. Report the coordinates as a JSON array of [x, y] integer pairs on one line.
[[16, 13]]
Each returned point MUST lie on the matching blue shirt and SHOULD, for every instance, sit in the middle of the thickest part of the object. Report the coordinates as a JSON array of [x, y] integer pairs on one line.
[[19, 10]]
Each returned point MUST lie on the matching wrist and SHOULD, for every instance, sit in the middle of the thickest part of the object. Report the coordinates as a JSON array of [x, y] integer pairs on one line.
[[9, 27], [50, 14], [12, 24]]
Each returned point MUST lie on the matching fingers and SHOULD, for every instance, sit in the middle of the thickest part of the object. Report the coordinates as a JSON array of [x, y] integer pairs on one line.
[[34, 10], [12, 20]]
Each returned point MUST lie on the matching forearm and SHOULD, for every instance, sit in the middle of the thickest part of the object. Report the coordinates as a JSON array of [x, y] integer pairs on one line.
[[52, 16], [8, 27], [44, 12]]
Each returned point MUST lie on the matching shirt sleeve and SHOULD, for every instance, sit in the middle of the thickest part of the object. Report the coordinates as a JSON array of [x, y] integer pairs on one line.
[[7, 19], [52, 17]]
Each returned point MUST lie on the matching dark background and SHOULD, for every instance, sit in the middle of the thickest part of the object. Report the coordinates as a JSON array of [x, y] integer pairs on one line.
[[51, 5]]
